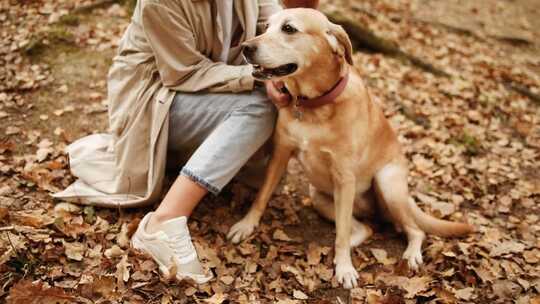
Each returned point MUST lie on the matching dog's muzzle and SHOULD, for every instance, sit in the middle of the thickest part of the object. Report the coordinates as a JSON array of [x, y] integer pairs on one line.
[[261, 72]]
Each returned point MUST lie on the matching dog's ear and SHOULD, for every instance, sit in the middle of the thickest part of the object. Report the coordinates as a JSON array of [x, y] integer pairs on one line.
[[339, 40]]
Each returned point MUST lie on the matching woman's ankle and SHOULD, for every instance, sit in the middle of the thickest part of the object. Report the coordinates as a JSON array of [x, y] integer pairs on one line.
[[156, 219], [155, 222]]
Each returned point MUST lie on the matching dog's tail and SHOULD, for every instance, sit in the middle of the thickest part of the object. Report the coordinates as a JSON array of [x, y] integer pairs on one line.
[[433, 225]]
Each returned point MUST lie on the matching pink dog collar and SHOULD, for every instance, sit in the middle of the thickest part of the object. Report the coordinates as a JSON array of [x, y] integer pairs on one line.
[[326, 98]]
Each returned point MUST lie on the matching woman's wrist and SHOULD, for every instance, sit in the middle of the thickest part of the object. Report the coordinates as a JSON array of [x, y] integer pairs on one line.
[[258, 84]]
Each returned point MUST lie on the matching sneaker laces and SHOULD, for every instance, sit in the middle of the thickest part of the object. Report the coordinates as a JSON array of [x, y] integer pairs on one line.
[[184, 250], [182, 246]]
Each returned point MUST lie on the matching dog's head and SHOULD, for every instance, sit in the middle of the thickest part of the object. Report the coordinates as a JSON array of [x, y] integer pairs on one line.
[[293, 42]]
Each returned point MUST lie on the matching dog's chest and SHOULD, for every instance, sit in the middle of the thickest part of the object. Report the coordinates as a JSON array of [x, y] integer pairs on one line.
[[319, 148], [308, 136], [314, 151]]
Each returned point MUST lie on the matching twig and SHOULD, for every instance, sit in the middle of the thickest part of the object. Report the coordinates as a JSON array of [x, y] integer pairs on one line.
[[522, 90], [365, 38], [7, 228], [477, 35], [12, 246]]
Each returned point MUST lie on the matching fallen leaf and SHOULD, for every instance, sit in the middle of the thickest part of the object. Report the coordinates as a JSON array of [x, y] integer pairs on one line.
[[281, 236], [532, 256], [113, 252], [122, 271], [190, 291], [3, 213], [74, 251], [27, 292], [217, 298], [315, 253], [64, 209], [506, 247], [465, 293], [122, 238], [382, 256], [298, 294], [11, 130], [62, 89], [227, 280]]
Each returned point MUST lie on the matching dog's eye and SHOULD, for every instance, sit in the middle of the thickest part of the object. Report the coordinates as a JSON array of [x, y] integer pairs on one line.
[[289, 29]]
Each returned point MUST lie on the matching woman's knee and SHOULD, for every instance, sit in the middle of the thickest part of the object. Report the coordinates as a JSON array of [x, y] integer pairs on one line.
[[261, 112]]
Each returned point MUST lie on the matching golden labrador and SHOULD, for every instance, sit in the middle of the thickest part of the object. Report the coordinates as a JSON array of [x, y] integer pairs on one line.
[[340, 136]]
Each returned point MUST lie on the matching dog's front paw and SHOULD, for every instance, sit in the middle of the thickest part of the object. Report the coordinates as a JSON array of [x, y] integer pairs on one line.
[[242, 230], [413, 255], [346, 275]]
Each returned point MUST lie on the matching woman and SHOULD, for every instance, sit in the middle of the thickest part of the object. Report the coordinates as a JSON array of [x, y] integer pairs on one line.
[[177, 84]]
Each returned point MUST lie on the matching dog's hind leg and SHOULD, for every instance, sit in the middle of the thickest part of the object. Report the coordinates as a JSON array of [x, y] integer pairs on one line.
[[393, 192], [324, 205]]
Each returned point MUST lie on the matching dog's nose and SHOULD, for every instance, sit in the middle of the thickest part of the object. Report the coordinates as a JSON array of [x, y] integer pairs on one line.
[[249, 50]]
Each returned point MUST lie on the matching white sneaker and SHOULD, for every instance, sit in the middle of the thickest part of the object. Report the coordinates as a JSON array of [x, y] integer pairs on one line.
[[171, 246]]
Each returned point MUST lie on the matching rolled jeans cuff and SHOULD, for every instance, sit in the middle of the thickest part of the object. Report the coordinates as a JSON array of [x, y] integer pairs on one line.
[[200, 181]]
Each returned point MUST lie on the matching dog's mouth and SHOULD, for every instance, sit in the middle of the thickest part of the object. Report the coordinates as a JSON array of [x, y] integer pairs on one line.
[[264, 73]]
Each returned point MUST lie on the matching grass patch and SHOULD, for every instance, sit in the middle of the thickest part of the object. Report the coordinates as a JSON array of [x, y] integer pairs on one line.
[[417, 118], [470, 143], [59, 34], [70, 20], [56, 36]]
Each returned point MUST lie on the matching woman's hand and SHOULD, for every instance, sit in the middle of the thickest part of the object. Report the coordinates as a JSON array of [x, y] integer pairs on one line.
[[301, 3], [278, 98]]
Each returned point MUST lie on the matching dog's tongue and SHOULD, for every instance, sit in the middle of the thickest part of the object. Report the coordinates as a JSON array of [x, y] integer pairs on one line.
[[280, 85], [261, 75]]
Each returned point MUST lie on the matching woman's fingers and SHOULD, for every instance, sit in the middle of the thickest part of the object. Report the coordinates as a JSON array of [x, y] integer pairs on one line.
[[301, 3], [276, 96]]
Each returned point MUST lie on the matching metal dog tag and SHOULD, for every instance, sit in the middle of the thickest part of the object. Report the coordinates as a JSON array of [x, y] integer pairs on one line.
[[297, 111], [298, 114]]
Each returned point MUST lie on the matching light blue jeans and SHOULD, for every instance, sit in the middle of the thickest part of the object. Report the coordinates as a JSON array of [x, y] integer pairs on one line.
[[218, 134]]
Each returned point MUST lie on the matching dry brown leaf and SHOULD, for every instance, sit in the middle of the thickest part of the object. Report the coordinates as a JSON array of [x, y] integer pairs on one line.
[[74, 251], [104, 286], [27, 292], [382, 256], [66, 209], [190, 291], [535, 300], [280, 235], [227, 280], [298, 294], [315, 253], [33, 218], [506, 247], [217, 298], [122, 271], [506, 289], [530, 256], [114, 251], [122, 239], [466, 294], [11, 130], [4, 212]]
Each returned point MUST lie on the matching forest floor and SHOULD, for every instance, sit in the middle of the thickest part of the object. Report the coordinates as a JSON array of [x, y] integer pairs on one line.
[[473, 144]]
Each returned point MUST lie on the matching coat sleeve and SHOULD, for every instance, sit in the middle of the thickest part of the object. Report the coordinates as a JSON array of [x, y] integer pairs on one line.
[[180, 65], [266, 9]]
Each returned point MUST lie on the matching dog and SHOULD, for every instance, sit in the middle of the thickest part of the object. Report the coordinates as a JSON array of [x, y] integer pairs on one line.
[[348, 150]]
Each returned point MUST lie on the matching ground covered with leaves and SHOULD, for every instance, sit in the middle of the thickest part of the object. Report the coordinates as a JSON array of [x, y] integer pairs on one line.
[[472, 138]]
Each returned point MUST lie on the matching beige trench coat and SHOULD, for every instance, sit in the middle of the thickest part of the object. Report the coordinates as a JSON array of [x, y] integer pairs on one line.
[[170, 45]]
